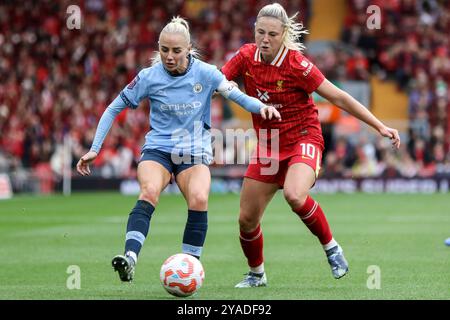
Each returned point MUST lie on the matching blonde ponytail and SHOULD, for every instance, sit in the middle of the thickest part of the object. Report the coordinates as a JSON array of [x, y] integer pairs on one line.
[[180, 26]]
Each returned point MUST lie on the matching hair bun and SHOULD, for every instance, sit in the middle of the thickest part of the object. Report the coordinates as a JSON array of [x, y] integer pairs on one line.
[[181, 21]]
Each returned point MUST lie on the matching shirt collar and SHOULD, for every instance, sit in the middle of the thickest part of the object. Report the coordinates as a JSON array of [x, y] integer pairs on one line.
[[279, 58], [191, 61]]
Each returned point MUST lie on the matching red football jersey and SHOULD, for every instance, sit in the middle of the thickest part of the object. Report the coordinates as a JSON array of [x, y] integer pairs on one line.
[[287, 84]]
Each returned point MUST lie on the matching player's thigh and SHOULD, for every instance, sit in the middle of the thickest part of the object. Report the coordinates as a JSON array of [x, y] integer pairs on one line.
[[255, 196], [153, 178], [300, 177], [303, 169], [195, 183]]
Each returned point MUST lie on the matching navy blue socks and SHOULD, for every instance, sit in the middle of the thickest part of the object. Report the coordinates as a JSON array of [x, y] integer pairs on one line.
[[137, 227], [195, 232]]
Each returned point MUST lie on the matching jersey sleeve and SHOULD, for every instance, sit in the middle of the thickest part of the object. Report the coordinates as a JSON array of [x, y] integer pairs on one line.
[[229, 91], [308, 75], [234, 67], [216, 77], [106, 121], [136, 90]]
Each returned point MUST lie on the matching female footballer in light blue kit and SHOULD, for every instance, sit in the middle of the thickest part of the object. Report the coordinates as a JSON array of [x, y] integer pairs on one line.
[[179, 87]]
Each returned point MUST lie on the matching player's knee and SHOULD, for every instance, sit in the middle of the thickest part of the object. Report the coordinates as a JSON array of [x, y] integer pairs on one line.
[[247, 223], [198, 201], [149, 193], [295, 198]]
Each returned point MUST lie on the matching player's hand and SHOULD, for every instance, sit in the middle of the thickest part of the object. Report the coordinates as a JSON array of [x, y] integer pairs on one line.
[[83, 163], [391, 134], [269, 112]]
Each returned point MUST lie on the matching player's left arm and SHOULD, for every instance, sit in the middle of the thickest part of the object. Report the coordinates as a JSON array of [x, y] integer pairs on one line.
[[230, 91], [349, 104]]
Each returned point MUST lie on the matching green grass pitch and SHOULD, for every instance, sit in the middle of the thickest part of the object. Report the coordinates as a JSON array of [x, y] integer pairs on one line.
[[403, 235]]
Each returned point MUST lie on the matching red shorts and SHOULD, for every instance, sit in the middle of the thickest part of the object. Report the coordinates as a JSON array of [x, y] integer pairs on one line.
[[275, 170]]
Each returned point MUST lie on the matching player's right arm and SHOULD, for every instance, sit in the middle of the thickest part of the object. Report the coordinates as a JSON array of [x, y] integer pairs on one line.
[[103, 127], [233, 69], [130, 96]]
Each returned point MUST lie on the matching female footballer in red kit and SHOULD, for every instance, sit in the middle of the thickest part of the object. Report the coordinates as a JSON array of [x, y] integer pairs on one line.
[[274, 70]]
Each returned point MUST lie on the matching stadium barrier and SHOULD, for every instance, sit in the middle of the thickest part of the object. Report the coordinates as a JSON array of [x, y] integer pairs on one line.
[[383, 185], [224, 180], [323, 185]]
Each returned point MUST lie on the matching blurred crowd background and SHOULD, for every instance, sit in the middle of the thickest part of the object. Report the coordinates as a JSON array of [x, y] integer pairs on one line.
[[56, 82]]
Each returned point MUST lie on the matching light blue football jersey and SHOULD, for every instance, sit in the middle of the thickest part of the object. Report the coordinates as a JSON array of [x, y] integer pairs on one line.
[[180, 112]]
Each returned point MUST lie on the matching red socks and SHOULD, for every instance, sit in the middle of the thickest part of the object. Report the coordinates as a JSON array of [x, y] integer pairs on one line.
[[252, 245], [310, 213], [313, 217]]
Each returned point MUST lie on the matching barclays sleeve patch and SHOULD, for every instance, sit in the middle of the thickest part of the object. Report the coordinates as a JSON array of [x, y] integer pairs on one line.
[[133, 83]]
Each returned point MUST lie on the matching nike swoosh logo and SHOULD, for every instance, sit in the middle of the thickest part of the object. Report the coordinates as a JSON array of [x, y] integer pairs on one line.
[[248, 74]]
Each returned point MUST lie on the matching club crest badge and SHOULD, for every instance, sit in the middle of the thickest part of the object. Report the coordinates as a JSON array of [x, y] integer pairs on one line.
[[198, 88], [280, 85]]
